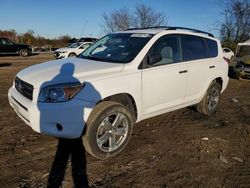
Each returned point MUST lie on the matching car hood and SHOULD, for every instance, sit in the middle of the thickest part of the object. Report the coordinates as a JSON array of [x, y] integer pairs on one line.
[[66, 71], [66, 49]]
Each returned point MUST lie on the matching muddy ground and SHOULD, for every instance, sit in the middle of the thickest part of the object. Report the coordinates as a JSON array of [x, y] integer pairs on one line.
[[178, 149]]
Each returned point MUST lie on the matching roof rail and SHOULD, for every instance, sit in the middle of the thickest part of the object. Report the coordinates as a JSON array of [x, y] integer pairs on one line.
[[174, 28]]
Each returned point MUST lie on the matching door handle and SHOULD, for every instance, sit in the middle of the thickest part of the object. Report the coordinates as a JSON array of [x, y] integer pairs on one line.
[[211, 67], [184, 71]]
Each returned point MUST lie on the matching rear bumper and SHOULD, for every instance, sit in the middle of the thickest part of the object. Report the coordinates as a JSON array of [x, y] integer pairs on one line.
[[44, 117]]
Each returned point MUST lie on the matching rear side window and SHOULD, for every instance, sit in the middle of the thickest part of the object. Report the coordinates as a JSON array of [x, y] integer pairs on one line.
[[212, 48], [193, 47]]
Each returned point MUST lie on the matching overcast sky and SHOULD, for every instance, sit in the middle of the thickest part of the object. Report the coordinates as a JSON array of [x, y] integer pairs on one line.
[[53, 18]]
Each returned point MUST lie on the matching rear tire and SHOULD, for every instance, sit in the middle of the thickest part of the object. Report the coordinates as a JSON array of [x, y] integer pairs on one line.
[[24, 53], [210, 101], [108, 129]]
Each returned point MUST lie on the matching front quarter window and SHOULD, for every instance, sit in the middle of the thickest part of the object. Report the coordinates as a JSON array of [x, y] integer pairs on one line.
[[117, 48]]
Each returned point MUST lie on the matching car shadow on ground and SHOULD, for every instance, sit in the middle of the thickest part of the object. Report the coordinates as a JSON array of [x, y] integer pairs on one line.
[[17, 55], [5, 64], [74, 151]]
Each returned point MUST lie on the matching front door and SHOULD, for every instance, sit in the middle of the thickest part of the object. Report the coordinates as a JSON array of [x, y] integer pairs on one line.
[[164, 83]]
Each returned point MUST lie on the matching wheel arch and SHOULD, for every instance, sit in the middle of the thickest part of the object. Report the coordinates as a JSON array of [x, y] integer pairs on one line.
[[218, 80], [72, 53], [125, 99]]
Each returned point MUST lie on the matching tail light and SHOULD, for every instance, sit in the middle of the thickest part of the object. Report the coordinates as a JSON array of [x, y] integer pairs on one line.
[[226, 59]]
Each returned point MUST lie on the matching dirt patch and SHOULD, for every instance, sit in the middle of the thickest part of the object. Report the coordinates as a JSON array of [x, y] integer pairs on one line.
[[178, 149]]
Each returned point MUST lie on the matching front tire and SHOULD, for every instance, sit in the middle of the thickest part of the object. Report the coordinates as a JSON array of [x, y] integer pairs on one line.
[[210, 101], [108, 129], [72, 54], [24, 53]]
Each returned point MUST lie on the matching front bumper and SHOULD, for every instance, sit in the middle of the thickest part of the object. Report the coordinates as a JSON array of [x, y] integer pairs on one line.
[[242, 74], [44, 117]]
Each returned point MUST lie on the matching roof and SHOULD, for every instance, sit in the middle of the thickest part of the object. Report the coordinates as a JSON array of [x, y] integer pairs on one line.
[[146, 31], [154, 30]]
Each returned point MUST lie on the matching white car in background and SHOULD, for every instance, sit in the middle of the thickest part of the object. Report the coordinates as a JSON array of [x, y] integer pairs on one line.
[[72, 50], [228, 53]]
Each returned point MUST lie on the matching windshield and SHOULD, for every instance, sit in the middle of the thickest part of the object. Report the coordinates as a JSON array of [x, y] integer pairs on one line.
[[74, 45], [118, 47], [243, 51]]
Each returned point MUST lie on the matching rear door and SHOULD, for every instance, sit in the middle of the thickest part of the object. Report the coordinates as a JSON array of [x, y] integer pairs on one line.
[[164, 83], [195, 52]]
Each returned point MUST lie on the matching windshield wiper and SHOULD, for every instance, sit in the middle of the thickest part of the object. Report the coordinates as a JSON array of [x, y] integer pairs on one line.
[[100, 59]]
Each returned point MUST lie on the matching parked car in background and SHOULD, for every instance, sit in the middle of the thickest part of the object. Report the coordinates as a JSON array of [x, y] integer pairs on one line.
[[83, 39], [72, 50], [241, 62], [228, 53], [9, 47], [121, 79]]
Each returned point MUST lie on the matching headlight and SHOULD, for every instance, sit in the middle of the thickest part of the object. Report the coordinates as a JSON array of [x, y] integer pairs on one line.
[[60, 92]]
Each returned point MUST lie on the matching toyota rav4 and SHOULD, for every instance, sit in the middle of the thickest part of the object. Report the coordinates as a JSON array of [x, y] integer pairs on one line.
[[123, 78]]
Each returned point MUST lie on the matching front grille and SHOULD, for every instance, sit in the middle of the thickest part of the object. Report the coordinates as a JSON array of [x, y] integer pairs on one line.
[[24, 88]]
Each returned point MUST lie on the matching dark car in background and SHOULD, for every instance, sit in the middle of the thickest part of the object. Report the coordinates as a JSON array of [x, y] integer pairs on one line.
[[9, 47]]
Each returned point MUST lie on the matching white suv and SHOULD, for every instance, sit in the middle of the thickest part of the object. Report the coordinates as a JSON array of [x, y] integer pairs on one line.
[[123, 78], [72, 50]]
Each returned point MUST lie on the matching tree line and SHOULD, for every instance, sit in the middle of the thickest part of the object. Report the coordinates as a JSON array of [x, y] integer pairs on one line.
[[30, 38]]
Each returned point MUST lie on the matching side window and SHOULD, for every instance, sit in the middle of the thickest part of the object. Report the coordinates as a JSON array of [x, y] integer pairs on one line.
[[193, 48], [84, 46], [167, 49], [4, 42], [212, 48], [9, 42]]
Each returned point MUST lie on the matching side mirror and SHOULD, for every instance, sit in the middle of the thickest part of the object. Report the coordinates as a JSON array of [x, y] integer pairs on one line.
[[154, 58]]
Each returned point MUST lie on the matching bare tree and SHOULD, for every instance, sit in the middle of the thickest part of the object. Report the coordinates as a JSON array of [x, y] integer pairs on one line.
[[118, 20], [122, 19], [236, 25], [145, 16]]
